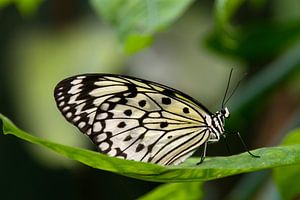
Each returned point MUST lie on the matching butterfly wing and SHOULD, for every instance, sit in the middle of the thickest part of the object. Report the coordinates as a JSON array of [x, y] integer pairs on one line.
[[133, 118]]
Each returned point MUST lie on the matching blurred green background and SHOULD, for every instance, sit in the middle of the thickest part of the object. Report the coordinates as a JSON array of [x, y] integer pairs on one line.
[[188, 45]]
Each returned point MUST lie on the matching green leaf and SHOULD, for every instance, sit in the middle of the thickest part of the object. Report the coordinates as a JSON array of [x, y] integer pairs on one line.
[[137, 21], [288, 178], [176, 191], [212, 168]]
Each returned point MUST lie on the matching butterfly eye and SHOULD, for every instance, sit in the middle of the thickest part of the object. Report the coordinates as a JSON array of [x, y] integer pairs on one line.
[[225, 112]]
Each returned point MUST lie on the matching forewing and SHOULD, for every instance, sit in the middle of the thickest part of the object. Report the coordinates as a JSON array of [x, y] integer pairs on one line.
[[133, 118]]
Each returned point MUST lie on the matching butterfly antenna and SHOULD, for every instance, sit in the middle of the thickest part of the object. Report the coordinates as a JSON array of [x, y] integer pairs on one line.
[[237, 85], [227, 87]]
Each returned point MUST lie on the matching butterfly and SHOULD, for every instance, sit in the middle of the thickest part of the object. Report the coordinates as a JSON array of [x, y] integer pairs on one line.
[[137, 119]]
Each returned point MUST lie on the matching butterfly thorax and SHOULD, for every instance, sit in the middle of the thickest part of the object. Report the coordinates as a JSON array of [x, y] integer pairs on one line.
[[216, 124]]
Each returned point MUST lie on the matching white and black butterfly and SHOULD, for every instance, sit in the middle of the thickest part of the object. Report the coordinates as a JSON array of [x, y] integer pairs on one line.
[[136, 119]]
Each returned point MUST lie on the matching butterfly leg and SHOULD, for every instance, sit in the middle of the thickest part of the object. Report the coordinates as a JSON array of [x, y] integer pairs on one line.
[[203, 154], [245, 146]]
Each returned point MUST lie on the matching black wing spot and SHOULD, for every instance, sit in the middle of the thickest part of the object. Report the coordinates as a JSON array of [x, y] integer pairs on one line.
[[170, 136], [128, 112], [123, 101], [142, 103], [166, 101], [121, 125], [168, 92], [186, 110], [163, 124], [139, 147], [132, 91], [120, 153], [128, 137]]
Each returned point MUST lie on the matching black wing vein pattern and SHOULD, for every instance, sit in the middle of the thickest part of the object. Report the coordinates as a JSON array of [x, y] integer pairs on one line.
[[133, 118]]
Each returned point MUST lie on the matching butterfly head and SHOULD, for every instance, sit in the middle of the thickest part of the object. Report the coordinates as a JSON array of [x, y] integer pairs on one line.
[[220, 117], [225, 112]]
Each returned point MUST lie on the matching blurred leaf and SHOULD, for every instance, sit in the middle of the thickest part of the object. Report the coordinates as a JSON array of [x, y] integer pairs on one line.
[[278, 71], [176, 191], [252, 42], [257, 42], [137, 21], [288, 178], [135, 43], [4, 3], [25, 7], [253, 94], [224, 10], [212, 168]]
